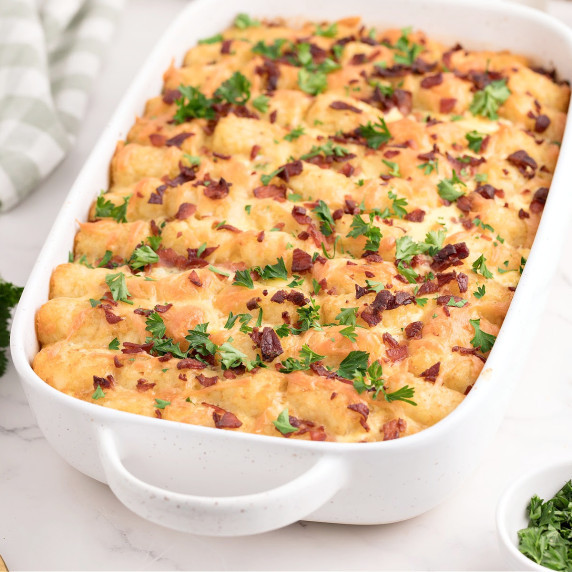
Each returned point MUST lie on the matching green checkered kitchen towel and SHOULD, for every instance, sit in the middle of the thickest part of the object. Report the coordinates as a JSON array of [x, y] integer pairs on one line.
[[50, 51]]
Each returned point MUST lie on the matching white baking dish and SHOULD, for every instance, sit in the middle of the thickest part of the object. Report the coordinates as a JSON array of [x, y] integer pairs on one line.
[[215, 482]]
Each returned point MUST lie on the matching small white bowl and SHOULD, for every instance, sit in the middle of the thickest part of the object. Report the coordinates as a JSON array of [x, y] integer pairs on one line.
[[512, 514]]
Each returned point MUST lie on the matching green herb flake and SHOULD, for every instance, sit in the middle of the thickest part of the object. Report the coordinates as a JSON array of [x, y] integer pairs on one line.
[[244, 21], [212, 40], [161, 404], [113, 344], [261, 103], [118, 287], [98, 393], [235, 90], [375, 134], [107, 209], [482, 340], [283, 424], [312, 83], [479, 267], [243, 278], [487, 101], [448, 190], [294, 133]]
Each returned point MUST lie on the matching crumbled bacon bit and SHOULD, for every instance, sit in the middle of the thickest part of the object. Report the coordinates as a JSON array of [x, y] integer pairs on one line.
[[254, 152], [343, 106], [397, 354], [190, 363], [417, 215], [109, 315], [469, 351], [156, 198], [449, 255], [462, 282], [270, 346], [278, 193], [158, 414], [162, 308], [225, 47], [144, 385], [541, 124], [117, 362], [539, 200], [206, 381], [522, 214], [178, 140], [185, 211], [432, 81], [467, 391], [272, 116], [183, 376], [224, 419], [260, 236], [523, 162], [301, 261], [227, 227], [157, 140], [447, 104], [107, 382], [414, 331], [363, 410], [465, 204], [431, 373], [218, 190], [221, 156], [393, 429], [131, 348], [360, 291], [290, 170], [271, 71], [165, 357], [371, 316], [194, 279], [252, 304], [486, 191]]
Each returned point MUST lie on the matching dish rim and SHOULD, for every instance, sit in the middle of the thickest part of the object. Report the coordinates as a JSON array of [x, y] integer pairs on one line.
[[32, 296]]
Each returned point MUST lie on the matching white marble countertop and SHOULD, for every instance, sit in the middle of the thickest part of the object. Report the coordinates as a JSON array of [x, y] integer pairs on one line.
[[55, 518]]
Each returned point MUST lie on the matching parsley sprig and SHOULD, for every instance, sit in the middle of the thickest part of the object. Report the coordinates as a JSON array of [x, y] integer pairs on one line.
[[106, 209], [375, 134], [481, 340], [372, 233], [9, 296], [487, 101]]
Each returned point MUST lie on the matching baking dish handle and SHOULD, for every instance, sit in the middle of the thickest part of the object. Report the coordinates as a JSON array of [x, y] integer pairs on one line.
[[222, 516]]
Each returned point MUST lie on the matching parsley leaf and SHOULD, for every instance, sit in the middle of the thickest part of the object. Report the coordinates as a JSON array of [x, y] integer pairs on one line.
[[475, 140], [480, 292], [235, 90], [353, 363], [447, 189], [243, 21], [212, 40], [327, 223], [283, 424], [347, 316], [9, 296], [107, 209], [118, 287], [295, 133], [270, 51], [192, 105], [98, 393], [231, 357], [487, 101], [243, 278], [408, 51], [142, 256], [359, 227], [276, 271], [328, 149], [407, 273], [261, 103], [113, 344], [308, 317], [308, 357], [393, 168], [329, 32], [375, 134], [161, 404], [200, 342], [312, 82], [155, 324], [482, 340], [479, 267]]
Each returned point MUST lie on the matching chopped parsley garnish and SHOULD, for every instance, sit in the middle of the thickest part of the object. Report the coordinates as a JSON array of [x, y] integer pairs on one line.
[[408, 273], [479, 292], [270, 51], [192, 159], [161, 404], [353, 363], [294, 133], [406, 248], [283, 424], [368, 229], [113, 344], [308, 318], [243, 21], [482, 340], [327, 223], [200, 342], [375, 134], [448, 190], [192, 105], [218, 270], [347, 316], [308, 357], [261, 103], [243, 278], [329, 32], [393, 168], [154, 242], [9, 296], [312, 82], [98, 393], [105, 259], [118, 287], [407, 52], [328, 150], [479, 267], [429, 166], [276, 271], [106, 209], [475, 140], [235, 90], [452, 303], [548, 538], [155, 325], [212, 40], [231, 357], [372, 380], [142, 256], [486, 102], [481, 177], [478, 222]]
